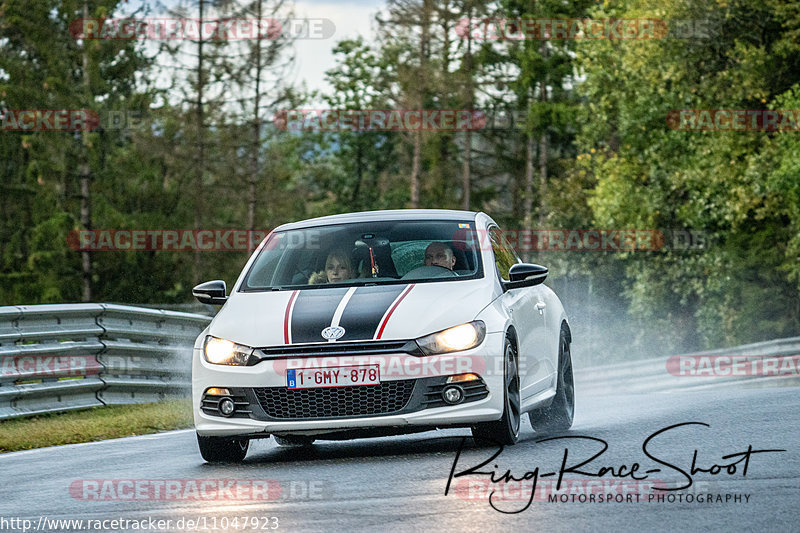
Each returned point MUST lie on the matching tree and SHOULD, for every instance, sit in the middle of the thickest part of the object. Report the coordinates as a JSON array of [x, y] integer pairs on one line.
[[202, 97], [650, 175], [359, 83], [45, 64]]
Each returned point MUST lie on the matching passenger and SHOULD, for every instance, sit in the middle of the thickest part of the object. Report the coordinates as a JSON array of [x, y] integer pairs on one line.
[[440, 254], [338, 267]]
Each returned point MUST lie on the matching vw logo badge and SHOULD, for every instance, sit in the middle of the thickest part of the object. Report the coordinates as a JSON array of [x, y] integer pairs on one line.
[[332, 333]]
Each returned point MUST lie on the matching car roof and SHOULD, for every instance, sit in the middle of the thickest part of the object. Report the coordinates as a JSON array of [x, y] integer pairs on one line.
[[389, 214]]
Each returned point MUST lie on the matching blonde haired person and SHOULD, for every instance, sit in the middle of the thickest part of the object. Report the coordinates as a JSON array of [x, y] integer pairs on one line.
[[338, 267]]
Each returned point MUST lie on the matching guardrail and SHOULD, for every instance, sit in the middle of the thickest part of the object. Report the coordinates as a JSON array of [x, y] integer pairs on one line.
[[72, 356], [653, 375]]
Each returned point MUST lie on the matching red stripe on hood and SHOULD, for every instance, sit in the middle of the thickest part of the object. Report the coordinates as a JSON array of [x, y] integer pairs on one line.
[[391, 310], [286, 330]]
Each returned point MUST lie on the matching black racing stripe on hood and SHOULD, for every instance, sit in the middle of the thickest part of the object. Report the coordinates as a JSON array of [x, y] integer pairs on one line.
[[313, 312], [365, 309]]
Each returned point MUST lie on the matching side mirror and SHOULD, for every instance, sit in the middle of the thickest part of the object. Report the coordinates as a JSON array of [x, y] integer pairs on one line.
[[211, 292], [525, 275]]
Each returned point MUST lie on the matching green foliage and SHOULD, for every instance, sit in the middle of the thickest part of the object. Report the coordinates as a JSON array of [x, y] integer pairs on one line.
[[735, 187], [613, 159]]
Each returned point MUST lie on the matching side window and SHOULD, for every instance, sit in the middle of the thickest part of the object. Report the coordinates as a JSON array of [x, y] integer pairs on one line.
[[504, 256]]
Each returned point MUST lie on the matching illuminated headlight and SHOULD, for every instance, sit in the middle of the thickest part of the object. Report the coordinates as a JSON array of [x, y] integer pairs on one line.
[[453, 339], [222, 352]]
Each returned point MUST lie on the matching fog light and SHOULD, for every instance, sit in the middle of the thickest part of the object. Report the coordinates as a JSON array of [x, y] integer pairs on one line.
[[452, 394], [226, 407]]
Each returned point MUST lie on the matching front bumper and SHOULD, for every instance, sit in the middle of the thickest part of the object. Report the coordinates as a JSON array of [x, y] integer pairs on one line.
[[407, 397]]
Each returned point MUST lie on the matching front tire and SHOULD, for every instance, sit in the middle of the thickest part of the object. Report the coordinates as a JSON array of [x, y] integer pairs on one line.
[[506, 430], [222, 449], [558, 416]]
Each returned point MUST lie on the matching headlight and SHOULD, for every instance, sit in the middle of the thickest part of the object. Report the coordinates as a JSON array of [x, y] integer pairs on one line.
[[454, 339], [222, 352]]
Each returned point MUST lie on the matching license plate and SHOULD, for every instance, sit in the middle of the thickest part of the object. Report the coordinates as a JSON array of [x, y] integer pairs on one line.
[[339, 376]]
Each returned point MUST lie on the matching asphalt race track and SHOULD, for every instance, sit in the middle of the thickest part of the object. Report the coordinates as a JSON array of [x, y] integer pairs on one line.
[[398, 483]]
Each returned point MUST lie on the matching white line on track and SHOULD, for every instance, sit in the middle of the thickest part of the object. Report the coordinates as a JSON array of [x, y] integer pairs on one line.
[[93, 443]]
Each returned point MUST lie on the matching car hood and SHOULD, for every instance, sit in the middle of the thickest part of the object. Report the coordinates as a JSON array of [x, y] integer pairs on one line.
[[386, 312]]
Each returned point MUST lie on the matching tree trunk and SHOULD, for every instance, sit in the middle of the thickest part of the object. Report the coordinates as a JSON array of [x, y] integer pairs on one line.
[[255, 170], [86, 218], [200, 163], [542, 180], [543, 150], [415, 170], [424, 50], [466, 176], [359, 169], [467, 171], [528, 209]]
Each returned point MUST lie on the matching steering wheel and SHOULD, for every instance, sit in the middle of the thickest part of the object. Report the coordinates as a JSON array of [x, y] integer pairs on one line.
[[433, 271]]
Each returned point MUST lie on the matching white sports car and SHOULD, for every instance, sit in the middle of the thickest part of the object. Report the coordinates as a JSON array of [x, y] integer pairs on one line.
[[380, 323]]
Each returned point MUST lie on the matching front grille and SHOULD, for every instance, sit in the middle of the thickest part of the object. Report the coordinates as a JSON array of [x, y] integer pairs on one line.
[[330, 402], [319, 349]]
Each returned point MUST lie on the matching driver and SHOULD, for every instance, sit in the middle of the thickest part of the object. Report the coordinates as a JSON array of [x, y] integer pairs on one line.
[[440, 254], [338, 267]]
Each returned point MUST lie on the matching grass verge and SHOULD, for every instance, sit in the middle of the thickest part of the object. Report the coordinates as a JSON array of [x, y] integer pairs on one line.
[[98, 423]]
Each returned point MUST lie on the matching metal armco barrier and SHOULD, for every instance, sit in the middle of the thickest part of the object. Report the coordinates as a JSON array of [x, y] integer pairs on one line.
[[652, 375], [72, 356]]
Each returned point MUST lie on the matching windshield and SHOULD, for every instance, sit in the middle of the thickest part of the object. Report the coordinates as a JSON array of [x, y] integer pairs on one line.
[[366, 253]]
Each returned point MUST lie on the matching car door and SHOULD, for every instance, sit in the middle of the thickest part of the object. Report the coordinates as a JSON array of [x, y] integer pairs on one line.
[[528, 309]]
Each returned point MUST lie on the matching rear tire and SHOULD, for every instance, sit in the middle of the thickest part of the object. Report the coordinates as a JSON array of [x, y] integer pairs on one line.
[[558, 416], [222, 449], [506, 430]]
